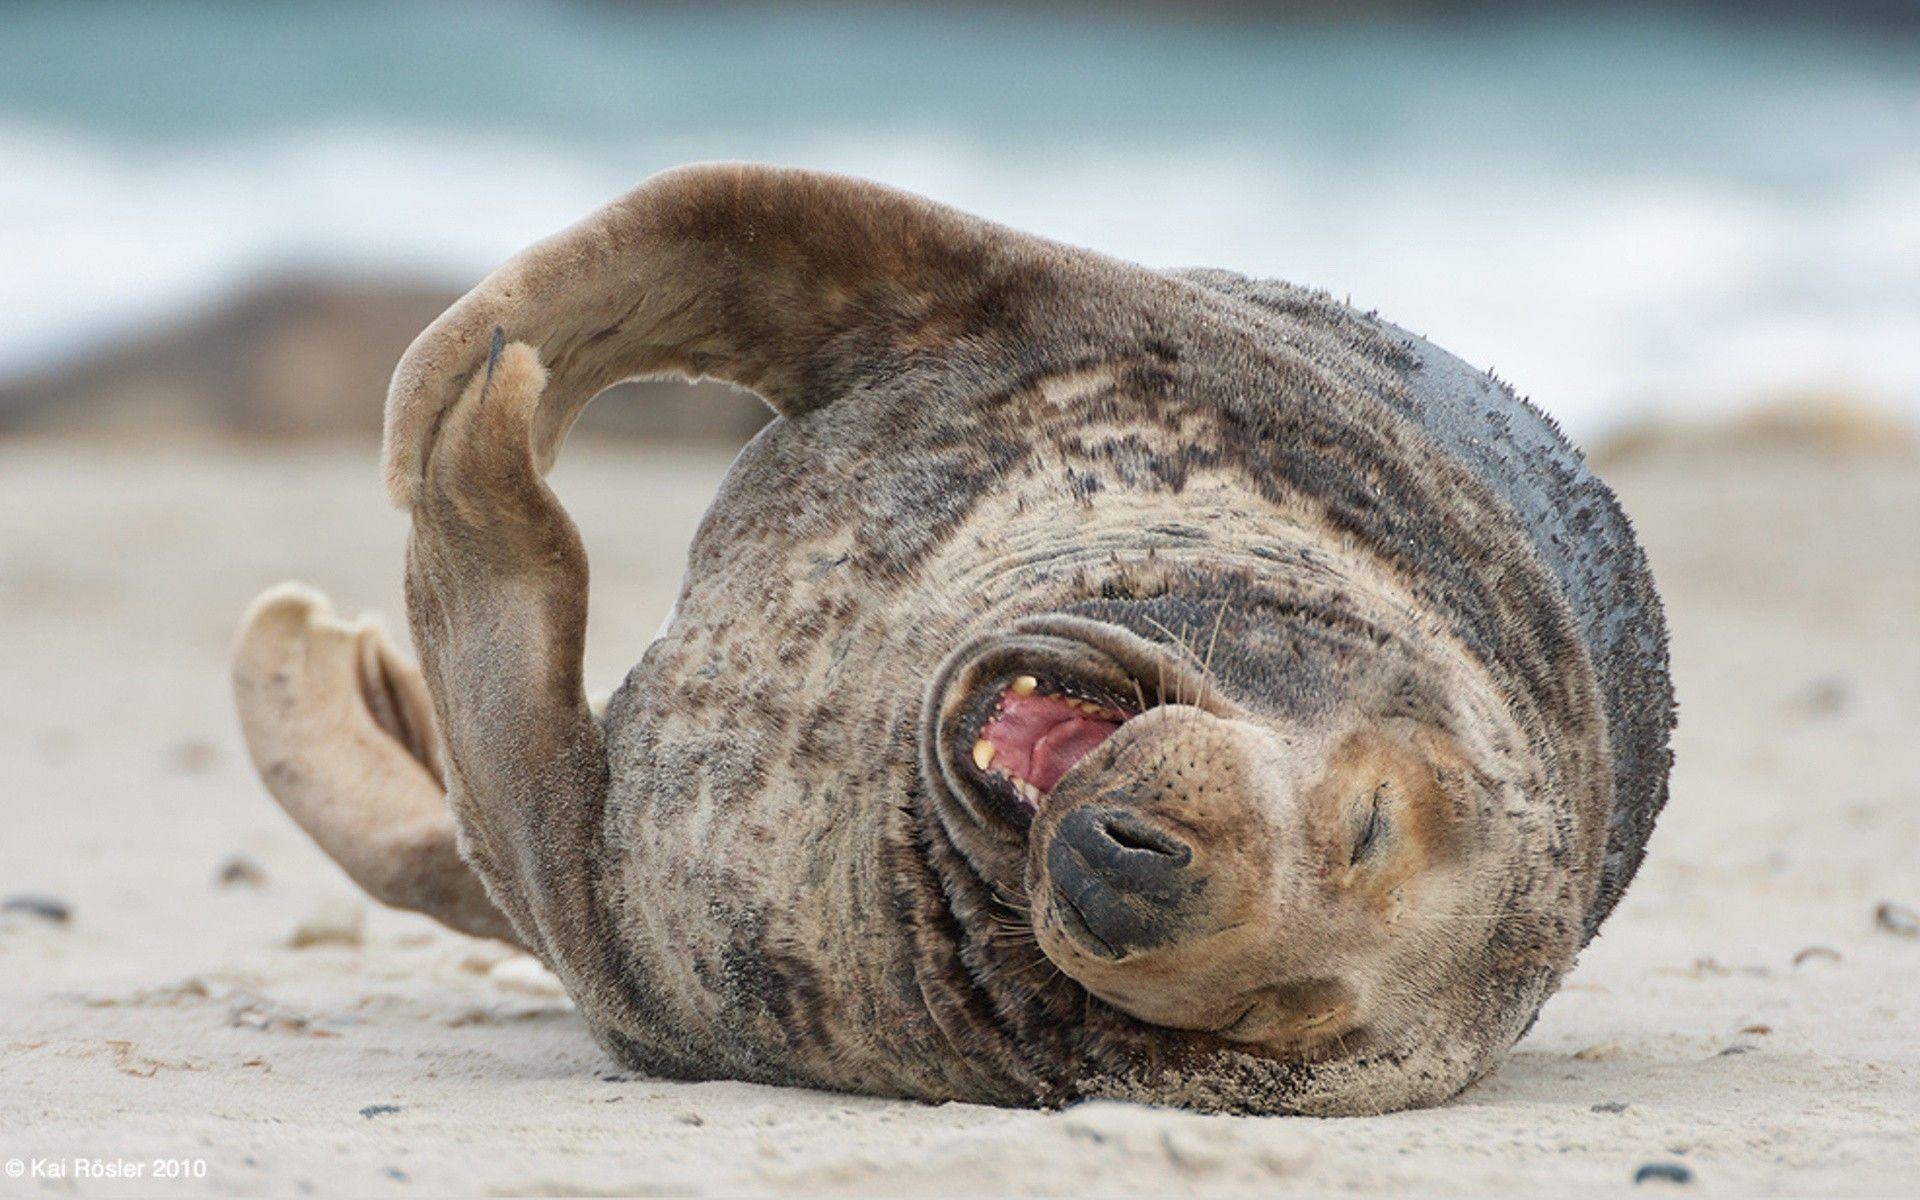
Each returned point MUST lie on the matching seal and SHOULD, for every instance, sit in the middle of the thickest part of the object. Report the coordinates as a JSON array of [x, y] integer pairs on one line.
[[1097, 681]]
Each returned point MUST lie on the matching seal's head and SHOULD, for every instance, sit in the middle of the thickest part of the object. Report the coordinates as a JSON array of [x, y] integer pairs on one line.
[[1348, 874]]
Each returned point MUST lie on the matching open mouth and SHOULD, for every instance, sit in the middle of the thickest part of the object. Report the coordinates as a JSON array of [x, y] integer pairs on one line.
[[1037, 732]]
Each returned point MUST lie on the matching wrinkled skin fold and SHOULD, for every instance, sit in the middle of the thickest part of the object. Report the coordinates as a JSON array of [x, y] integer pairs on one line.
[[1095, 682]]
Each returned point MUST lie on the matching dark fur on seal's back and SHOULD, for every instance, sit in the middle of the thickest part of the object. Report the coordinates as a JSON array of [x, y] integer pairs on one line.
[[1577, 529], [762, 864]]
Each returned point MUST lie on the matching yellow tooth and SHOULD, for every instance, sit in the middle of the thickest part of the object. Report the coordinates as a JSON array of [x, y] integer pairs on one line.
[[1024, 685], [983, 754]]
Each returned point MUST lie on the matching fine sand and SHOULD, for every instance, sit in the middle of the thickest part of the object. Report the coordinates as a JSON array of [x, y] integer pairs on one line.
[[1744, 1017]]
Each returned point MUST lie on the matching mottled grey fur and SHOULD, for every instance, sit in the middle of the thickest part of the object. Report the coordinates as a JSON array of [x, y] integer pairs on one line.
[[1578, 530], [1326, 548]]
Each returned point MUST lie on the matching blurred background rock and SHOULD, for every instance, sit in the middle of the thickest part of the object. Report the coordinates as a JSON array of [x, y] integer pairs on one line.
[[230, 219], [303, 355]]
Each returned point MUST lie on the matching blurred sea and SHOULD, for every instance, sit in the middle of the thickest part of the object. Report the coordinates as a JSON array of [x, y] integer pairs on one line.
[[1622, 214]]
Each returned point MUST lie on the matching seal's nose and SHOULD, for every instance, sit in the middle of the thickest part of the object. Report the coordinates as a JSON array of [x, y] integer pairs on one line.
[[1129, 882]]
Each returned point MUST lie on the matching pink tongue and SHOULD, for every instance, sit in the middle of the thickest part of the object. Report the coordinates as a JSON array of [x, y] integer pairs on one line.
[[1064, 745], [1039, 738]]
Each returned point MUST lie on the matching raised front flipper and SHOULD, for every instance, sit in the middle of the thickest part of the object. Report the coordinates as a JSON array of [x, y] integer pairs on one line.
[[793, 284], [497, 598], [341, 729]]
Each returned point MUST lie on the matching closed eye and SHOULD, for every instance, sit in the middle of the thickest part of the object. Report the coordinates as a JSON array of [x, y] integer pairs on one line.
[[1371, 831]]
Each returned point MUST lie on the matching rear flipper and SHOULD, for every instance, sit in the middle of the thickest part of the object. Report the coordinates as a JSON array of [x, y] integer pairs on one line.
[[342, 731]]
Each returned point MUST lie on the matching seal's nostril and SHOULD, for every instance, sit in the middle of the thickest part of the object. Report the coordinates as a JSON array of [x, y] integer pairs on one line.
[[1128, 881], [1121, 845], [1130, 833]]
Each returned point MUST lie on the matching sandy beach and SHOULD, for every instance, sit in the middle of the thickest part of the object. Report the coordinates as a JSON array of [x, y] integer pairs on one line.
[[218, 999]]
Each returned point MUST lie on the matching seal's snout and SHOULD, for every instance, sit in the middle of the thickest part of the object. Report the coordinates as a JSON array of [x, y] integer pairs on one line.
[[1147, 856], [1121, 884]]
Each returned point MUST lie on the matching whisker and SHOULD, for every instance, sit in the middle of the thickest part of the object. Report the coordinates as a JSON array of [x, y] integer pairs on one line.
[[1180, 680], [1186, 651], [1213, 640], [1161, 663], [1021, 972], [1011, 905]]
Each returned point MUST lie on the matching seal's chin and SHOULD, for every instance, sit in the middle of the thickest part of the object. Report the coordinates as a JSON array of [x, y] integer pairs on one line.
[[1036, 732]]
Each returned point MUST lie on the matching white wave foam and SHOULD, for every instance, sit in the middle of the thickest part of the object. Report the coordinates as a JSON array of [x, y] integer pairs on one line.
[[1597, 296]]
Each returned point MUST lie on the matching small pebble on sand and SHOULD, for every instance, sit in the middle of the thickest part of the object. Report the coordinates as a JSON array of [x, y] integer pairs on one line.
[[338, 923], [240, 871], [378, 1110], [1663, 1172], [1816, 954], [1896, 919], [47, 908], [1599, 1052], [1610, 1106], [193, 756], [1823, 698], [523, 973], [483, 958]]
